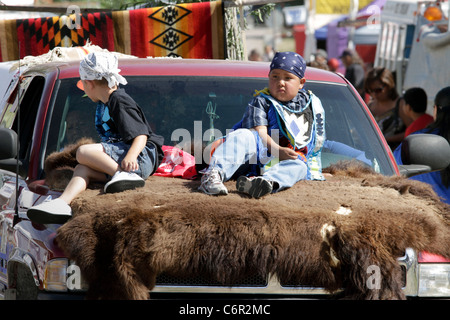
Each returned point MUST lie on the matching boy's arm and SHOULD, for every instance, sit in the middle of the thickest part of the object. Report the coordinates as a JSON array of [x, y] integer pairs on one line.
[[129, 163], [273, 147]]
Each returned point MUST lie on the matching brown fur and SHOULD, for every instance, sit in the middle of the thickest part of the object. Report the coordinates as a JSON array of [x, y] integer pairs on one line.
[[59, 166], [123, 241]]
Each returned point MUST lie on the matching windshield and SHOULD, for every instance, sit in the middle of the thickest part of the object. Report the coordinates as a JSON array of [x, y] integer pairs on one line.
[[199, 109]]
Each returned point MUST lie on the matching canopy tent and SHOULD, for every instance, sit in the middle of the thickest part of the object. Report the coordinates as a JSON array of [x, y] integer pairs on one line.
[[363, 35]]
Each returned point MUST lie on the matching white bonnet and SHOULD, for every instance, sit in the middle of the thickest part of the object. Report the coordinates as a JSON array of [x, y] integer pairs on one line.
[[98, 65]]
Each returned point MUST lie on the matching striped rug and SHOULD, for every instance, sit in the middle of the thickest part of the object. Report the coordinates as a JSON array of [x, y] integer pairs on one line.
[[194, 30]]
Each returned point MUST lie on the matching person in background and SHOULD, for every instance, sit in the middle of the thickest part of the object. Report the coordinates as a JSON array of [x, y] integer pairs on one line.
[[439, 180], [268, 53], [255, 56], [319, 60], [384, 105], [415, 106], [321, 56], [333, 64], [354, 69]]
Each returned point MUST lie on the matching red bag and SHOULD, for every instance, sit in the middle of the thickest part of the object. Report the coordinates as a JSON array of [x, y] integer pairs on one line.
[[176, 163]]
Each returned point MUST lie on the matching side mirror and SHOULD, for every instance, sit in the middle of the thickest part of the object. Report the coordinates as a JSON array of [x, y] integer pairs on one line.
[[422, 153], [8, 147]]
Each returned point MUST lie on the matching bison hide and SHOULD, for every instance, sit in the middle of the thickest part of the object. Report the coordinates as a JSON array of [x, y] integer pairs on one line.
[[59, 166], [319, 233]]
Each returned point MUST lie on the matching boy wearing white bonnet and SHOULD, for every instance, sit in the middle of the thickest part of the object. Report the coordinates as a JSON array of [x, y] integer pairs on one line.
[[129, 152]]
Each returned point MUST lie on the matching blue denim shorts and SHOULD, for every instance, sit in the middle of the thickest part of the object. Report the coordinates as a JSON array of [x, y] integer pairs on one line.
[[146, 159]]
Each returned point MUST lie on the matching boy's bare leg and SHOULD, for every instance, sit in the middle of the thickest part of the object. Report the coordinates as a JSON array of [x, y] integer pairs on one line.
[[79, 182], [93, 164], [94, 157]]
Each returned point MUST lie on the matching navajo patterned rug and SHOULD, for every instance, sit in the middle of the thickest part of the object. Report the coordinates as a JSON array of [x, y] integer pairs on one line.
[[194, 30]]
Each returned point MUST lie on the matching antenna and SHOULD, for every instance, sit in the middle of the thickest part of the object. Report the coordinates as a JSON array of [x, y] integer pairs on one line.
[[16, 207]]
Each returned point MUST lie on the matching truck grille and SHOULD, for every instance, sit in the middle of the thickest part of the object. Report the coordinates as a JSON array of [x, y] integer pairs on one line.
[[199, 280]]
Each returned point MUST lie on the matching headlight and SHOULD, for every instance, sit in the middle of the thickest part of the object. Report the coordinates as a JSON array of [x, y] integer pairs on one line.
[[55, 277], [434, 280], [61, 276]]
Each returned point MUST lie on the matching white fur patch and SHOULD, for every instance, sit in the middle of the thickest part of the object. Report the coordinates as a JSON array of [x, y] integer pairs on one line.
[[324, 231], [344, 211]]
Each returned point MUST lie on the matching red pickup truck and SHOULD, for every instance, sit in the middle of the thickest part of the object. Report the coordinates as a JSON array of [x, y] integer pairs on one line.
[[184, 100]]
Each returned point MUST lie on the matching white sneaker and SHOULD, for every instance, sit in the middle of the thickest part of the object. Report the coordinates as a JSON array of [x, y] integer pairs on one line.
[[53, 211], [212, 183], [122, 181], [256, 187]]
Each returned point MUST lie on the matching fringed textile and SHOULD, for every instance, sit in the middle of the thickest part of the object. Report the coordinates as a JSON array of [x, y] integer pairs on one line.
[[193, 30]]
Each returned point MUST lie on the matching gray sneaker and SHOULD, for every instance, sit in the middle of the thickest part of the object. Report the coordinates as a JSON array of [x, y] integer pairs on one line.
[[256, 187], [212, 183]]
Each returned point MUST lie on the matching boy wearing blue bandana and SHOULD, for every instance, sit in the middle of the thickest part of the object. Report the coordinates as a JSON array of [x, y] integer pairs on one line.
[[281, 134]]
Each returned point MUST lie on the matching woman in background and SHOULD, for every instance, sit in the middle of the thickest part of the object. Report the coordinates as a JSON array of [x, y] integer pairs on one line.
[[384, 105]]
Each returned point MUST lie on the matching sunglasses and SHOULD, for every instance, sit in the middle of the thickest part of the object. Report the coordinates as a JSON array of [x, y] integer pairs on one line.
[[376, 90]]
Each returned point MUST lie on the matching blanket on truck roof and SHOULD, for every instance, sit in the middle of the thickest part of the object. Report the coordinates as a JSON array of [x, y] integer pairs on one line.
[[191, 30], [320, 233]]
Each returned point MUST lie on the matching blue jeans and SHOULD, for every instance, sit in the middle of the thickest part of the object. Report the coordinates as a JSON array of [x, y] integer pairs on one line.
[[146, 159], [243, 148]]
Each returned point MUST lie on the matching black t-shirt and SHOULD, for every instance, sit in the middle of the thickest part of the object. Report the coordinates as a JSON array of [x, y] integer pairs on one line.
[[130, 121]]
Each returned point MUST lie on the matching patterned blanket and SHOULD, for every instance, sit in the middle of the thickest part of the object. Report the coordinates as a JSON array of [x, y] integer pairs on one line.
[[194, 30]]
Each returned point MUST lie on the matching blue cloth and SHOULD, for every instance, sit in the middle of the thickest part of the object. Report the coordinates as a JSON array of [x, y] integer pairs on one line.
[[341, 148], [289, 61], [432, 178]]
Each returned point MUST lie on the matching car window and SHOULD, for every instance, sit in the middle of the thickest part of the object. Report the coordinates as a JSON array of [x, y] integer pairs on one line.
[[349, 130], [184, 109], [29, 95]]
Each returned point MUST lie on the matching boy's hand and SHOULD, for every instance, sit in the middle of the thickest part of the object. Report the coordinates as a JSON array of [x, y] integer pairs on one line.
[[129, 164], [285, 153]]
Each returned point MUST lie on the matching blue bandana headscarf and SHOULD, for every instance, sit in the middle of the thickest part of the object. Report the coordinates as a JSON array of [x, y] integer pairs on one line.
[[289, 61]]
